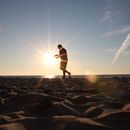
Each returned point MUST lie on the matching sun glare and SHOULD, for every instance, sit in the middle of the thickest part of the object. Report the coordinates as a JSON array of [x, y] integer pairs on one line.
[[49, 76], [49, 59]]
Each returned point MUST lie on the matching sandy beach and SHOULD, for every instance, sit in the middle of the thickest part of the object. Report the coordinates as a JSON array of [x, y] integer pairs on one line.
[[69, 104]]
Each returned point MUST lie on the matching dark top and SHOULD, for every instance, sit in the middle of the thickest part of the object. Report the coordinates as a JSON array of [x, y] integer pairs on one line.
[[63, 54]]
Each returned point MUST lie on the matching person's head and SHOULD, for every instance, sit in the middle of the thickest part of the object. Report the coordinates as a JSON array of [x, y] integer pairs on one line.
[[59, 46]]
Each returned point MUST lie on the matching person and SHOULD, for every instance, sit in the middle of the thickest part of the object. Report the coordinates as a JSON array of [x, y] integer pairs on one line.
[[64, 60]]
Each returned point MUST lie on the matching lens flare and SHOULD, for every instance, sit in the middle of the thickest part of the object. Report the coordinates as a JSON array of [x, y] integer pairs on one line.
[[50, 76], [92, 78]]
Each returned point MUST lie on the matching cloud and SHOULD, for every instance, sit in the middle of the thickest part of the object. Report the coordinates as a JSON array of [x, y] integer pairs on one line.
[[109, 16], [122, 48], [111, 12], [119, 31], [114, 50]]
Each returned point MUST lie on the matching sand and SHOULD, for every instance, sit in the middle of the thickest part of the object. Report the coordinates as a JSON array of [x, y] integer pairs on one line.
[[69, 104]]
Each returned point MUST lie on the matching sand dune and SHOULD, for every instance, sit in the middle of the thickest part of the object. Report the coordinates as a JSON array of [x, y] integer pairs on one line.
[[56, 104]]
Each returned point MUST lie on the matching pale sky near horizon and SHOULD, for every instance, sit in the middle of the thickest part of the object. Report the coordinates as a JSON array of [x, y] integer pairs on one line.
[[90, 30]]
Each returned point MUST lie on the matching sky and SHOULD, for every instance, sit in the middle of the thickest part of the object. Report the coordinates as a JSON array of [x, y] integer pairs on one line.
[[92, 31]]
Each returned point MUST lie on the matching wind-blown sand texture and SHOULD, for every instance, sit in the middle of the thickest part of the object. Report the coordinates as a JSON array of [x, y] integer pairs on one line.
[[69, 104]]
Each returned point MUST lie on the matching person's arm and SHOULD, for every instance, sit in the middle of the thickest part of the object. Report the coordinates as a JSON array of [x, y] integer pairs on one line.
[[57, 56], [63, 53]]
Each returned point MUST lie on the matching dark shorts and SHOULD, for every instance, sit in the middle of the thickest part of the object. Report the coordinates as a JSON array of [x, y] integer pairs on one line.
[[63, 65]]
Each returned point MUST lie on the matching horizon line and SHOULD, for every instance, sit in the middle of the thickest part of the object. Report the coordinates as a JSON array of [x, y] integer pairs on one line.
[[81, 75]]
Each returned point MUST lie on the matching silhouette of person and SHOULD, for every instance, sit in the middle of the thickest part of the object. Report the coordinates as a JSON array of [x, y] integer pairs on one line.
[[64, 60]]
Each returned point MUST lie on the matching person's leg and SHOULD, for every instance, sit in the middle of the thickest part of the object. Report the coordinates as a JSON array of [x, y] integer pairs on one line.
[[63, 73], [68, 73], [65, 65], [63, 68]]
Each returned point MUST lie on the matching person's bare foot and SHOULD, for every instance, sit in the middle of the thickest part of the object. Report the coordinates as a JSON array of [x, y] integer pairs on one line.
[[69, 75], [63, 77]]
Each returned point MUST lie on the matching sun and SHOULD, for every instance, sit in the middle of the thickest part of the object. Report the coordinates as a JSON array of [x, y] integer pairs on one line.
[[49, 59]]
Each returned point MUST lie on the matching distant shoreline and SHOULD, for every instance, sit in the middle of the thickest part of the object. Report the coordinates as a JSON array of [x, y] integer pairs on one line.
[[60, 76]]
